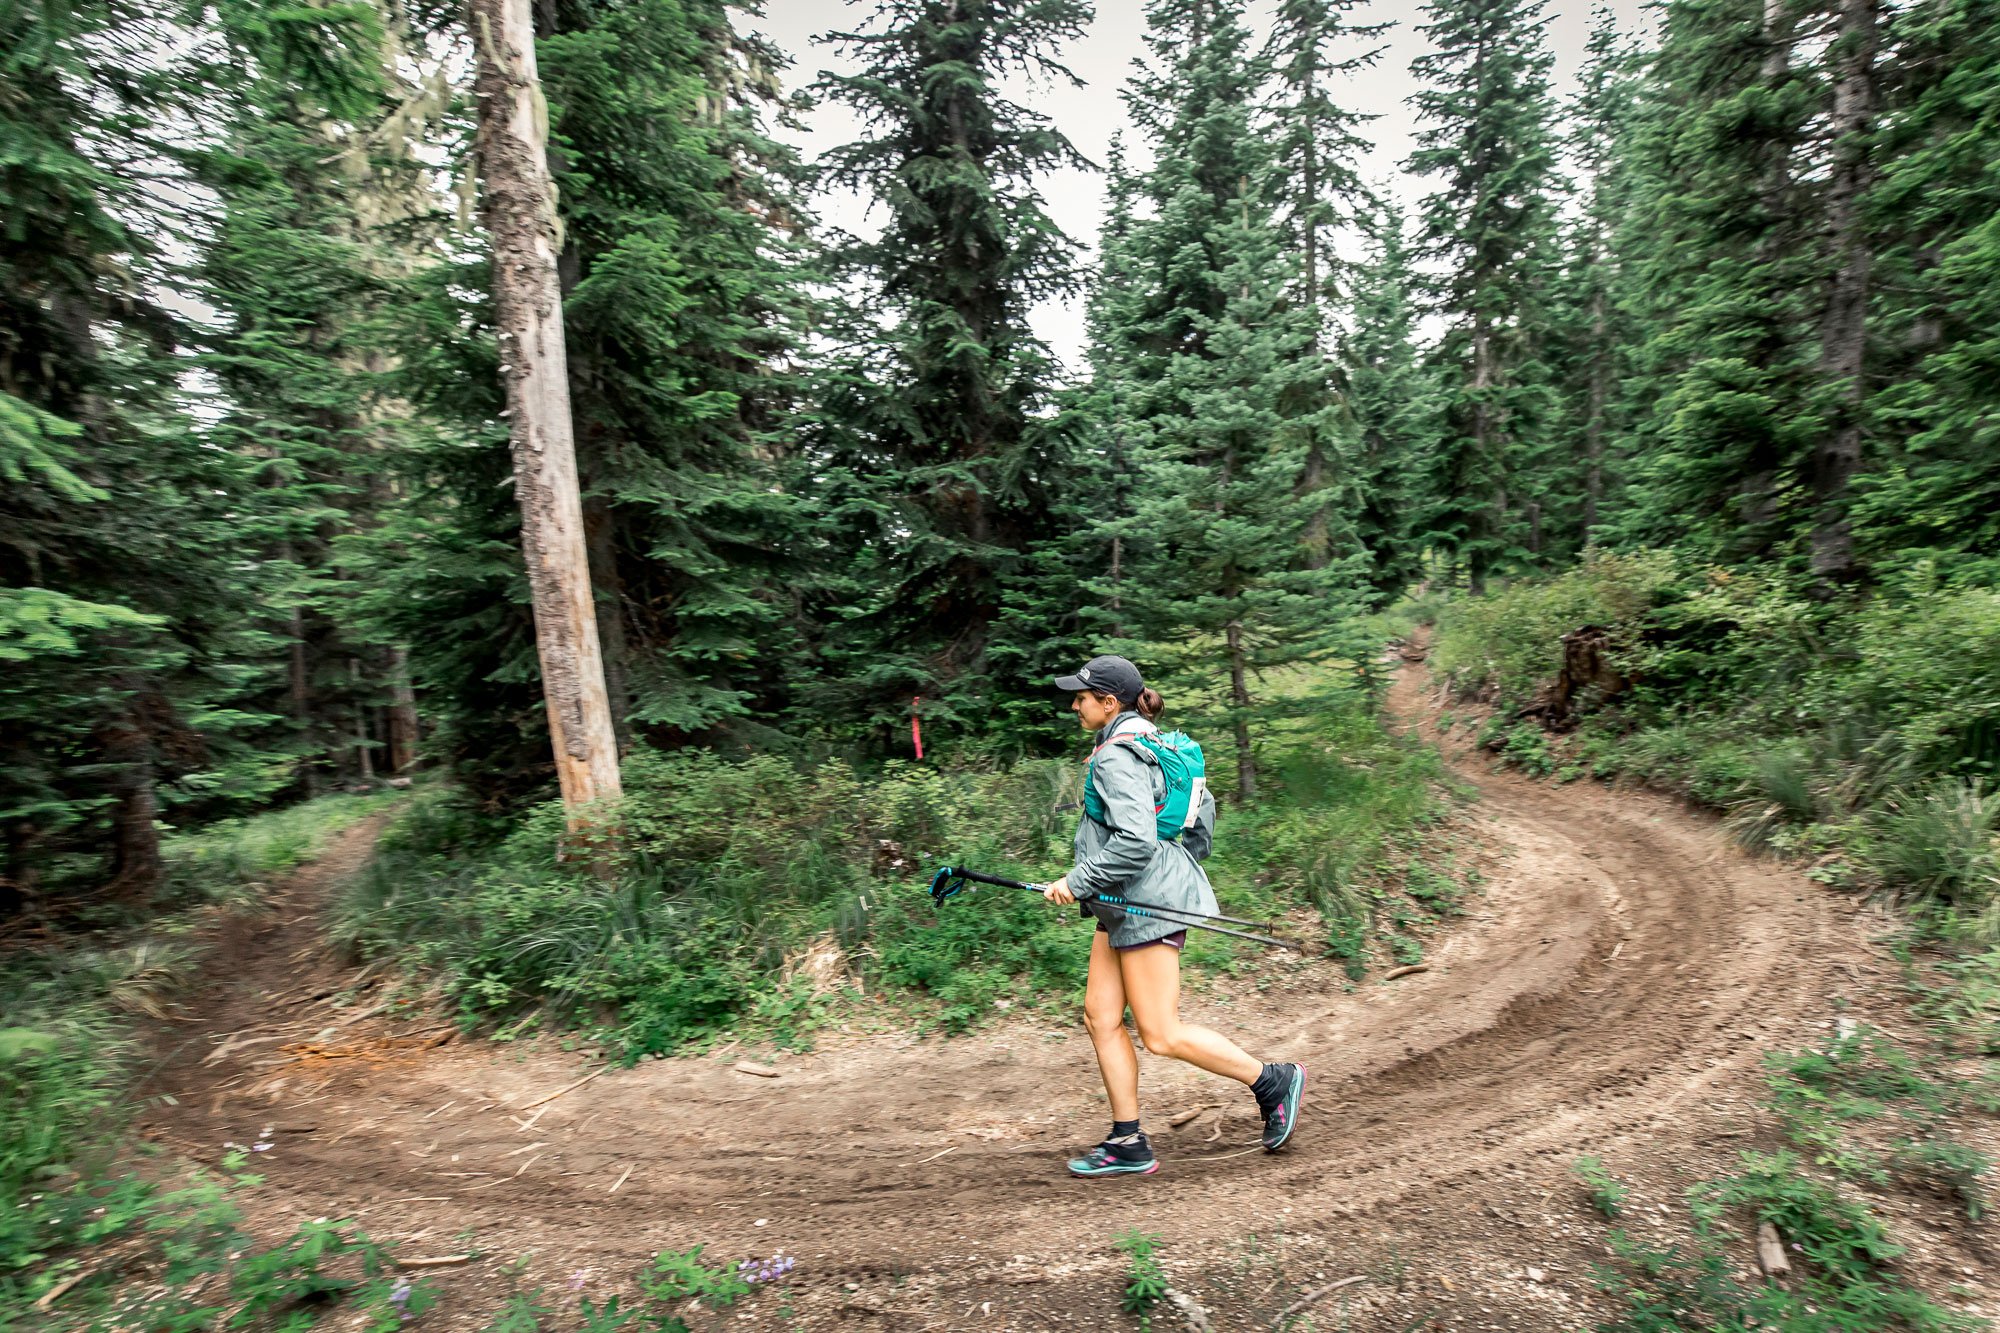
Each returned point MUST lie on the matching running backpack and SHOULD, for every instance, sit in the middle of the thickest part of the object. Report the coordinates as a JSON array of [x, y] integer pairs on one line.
[[1179, 760]]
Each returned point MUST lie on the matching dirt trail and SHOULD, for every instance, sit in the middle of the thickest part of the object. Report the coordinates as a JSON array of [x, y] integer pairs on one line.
[[1611, 993]]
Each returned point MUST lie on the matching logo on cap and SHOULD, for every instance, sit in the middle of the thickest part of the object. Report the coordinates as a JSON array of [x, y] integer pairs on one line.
[[1084, 674]]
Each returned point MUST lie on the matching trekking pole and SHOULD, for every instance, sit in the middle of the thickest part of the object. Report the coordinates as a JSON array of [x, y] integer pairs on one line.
[[960, 872], [949, 880]]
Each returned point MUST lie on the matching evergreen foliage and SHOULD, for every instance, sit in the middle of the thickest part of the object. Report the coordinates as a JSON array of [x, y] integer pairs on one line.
[[944, 456], [1489, 231], [1392, 398], [256, 530], [129, 604], [1235, 564]]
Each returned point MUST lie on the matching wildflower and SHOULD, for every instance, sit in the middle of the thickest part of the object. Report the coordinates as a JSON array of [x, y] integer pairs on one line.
[[754, 1271], [578, 1278], [399, 1296]]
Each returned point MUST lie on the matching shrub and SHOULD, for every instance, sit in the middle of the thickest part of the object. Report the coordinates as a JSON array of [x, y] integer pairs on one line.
[[724, 868], [1511, 642], [1939, 844]]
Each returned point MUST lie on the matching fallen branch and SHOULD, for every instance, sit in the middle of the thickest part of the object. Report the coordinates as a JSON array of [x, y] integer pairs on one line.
[[1180, 1118], [1190, 1310], [1311, 1296], [602, 1069], [1771, 1256], [1408, 971], [622, 1179], [55, 1293], [436, 1261], [755, 1070], [369, 1012]]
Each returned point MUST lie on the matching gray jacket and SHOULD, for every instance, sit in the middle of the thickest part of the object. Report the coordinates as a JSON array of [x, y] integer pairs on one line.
[[1124, 855]]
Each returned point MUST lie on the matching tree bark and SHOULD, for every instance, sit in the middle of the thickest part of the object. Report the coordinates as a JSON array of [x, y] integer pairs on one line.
[[1239, 694], [127, 750], [1486, 450], [364, 755], [404, 729], [600, 532], [1844, 330], [1593, 431], [520, 213]]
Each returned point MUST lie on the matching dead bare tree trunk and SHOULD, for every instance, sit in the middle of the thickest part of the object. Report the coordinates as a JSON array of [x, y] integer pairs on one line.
[[1844, 329], [520, 213]]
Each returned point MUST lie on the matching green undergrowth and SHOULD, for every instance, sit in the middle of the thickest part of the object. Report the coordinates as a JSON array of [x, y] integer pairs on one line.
[[68, 1001], [1860, 734], [1145, 1280], [88, 1244], [232, 859], [130, 1254], [733, 878], [1860, 1115]]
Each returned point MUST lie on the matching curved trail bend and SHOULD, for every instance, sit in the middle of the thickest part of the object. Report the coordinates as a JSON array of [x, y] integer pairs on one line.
[[1610, 993]]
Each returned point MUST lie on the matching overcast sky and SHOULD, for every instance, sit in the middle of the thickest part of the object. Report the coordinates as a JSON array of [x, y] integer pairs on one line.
[[1092, 114]]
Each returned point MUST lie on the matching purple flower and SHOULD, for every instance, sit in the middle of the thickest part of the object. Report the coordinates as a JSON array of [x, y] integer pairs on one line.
[[754, 1271], [399, 1296]]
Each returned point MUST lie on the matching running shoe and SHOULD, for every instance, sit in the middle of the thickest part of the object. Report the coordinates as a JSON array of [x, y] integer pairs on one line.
[[1116, 1159], [1282, 1115]]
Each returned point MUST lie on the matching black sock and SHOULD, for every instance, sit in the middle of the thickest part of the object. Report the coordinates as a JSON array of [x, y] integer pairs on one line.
[[1270, 1084], [1124, 1128]]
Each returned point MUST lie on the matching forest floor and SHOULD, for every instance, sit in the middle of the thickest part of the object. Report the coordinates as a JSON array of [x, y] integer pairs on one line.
[[1610, 992]]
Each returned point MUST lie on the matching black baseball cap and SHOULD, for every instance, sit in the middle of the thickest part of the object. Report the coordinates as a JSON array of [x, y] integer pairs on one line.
[[1106, 675]]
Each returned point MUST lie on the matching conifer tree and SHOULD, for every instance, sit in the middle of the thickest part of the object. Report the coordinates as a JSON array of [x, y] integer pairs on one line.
[[1319, 193], [129, 614], [681, 279], [1490, 229], [1935, 493], [1070, 601], [293, 272], [1591, 335], [1724, 273], [941, 460], [1843, 323], [1390, 397], [1319, 190], [1227, 388]]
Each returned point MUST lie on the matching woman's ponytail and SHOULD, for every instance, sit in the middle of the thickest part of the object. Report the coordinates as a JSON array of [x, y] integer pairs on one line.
[[1150, 704]]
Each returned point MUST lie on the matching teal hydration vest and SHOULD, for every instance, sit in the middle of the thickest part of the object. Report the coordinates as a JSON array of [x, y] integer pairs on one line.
[[1179, 760]]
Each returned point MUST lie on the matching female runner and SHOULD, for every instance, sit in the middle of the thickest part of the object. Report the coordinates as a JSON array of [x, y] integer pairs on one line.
[[1135, 960]]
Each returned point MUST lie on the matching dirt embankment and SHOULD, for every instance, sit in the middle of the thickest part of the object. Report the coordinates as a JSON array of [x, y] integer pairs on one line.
[[1611, 993]]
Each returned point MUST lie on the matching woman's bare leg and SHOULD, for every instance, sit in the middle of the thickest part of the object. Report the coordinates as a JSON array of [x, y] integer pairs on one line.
[[1152, 986], [1104, 1016]]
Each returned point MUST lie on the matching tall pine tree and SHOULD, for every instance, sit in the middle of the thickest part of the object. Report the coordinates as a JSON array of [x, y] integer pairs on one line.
[[1228, 391], [1489, 232], [942, 458], [1391, 398]]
